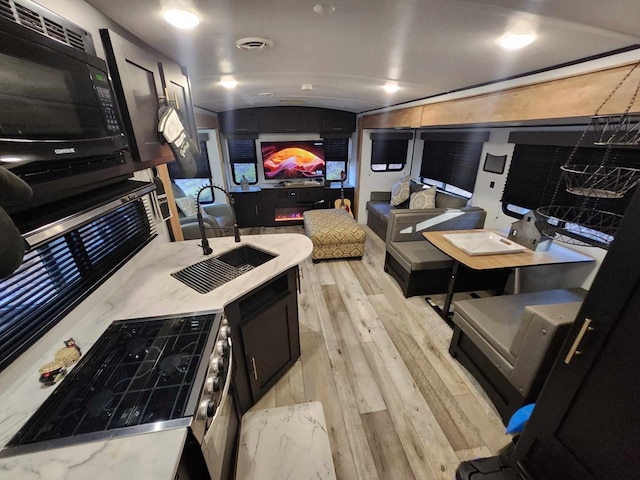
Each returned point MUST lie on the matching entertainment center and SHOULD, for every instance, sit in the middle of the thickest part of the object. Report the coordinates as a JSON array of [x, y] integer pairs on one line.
[[275, 205]]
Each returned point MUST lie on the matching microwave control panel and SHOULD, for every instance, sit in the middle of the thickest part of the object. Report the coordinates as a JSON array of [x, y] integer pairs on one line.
[[105, 99]]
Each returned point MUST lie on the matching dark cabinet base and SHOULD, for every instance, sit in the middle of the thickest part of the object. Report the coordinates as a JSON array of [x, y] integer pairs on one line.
[[265, 336], [284, 206]]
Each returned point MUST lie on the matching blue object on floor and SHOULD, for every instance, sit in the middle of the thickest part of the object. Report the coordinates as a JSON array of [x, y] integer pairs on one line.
[[519, 419]]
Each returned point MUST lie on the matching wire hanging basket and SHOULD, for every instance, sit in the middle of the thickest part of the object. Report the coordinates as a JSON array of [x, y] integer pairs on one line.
[[615, 130], [604, 181], [600, 181], [576, 225]]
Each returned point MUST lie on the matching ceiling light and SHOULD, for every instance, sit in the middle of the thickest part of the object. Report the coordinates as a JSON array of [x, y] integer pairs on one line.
[[180, 18], [265, 94], [321, 8], [307, 86], [228, 82], [391, 87], [515, 41]]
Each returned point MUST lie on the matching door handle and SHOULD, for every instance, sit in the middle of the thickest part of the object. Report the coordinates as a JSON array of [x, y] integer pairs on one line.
[[255, 370], [573, 351]]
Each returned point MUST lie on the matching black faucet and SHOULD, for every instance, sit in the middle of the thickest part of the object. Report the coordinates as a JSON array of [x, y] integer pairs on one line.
[[206, 249]]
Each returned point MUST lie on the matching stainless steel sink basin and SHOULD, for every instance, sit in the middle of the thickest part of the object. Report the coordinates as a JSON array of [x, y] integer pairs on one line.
[[211, 273]]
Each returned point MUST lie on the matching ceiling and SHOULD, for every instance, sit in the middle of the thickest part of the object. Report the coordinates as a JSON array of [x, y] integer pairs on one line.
[[427, 47]]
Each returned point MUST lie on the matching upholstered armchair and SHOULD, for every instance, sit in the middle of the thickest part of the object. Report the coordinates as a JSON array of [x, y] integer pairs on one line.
[[218, 218]]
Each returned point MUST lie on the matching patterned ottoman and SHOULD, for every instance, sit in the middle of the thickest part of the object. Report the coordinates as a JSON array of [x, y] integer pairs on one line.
[[334, 233]]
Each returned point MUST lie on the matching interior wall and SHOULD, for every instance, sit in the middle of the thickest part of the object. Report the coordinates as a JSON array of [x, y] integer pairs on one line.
[[487, 197], [371, 181]]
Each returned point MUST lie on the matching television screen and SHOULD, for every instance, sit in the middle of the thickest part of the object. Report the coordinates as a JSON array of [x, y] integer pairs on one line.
[[293, 159]]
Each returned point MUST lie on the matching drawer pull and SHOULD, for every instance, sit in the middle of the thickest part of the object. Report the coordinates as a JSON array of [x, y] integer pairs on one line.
[[573, 351], [255, 370]]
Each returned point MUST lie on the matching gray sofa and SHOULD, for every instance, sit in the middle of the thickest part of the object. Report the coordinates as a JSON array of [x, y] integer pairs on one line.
[[509, 343], [379, 209], [418, 266]]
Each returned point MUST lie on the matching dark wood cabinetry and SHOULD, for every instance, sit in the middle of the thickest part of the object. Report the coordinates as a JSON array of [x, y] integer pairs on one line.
[[287, 120], [175, 84], [585, 424], [271, 207], [248, 209], [336, 121], [265, 336], [139, 79]]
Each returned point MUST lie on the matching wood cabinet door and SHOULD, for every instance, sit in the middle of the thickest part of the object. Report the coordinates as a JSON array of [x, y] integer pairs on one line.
[[137, 84], [585, 424], [176, 82], [268, 340], [247, 209]]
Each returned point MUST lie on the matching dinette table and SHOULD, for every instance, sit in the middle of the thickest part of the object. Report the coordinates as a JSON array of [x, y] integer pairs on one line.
[[556, 254]]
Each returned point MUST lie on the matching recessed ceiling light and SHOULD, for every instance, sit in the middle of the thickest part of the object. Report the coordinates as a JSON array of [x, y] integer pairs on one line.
[[228, 82], [180, 18], [322, 8], [515, 41], [391, 87]]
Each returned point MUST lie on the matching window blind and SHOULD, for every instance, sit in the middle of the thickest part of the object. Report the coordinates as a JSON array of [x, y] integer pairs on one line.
[[56, 276], [534, 174], [452, 162], [242, 150], [336, 149], [388, 154]]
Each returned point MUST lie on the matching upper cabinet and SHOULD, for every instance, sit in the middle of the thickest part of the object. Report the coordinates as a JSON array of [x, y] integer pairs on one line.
[[239, 121], [287, 120], [176, 86], [139, 80]]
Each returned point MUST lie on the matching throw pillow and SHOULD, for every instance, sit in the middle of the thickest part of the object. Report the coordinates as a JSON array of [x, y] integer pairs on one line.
[[423, 199], [187, 205], [400, 192]]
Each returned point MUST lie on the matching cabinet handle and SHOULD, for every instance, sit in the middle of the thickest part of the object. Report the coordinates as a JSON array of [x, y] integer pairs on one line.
[[586, 327], [256, 209], [255, 370]]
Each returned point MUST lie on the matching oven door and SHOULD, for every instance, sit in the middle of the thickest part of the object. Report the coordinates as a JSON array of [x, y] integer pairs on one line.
[[218, 446]]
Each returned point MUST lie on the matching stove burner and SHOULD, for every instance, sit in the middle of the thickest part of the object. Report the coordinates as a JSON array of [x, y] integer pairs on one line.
[[129, 416], [136, 346], [98, 404], [177, 362]]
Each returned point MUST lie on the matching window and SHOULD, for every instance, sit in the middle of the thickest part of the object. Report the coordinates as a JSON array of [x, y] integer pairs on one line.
[[389, 151], [56, 276], [190, 186], [452, 158], [336, 154], [534, 179], [243, 159]]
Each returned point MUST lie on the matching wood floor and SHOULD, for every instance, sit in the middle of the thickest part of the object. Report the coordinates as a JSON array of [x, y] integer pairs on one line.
[[397, 405]]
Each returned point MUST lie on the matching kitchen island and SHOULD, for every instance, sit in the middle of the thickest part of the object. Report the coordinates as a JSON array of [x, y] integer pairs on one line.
[[143, 287]]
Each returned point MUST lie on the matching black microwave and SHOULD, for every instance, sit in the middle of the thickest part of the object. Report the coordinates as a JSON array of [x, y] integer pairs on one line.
[[60, 128]]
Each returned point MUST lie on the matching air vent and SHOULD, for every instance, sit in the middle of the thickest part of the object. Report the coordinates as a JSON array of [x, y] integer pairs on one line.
[[292, 101], [254, 43], [29, 18], [6, 11], [35, 17]]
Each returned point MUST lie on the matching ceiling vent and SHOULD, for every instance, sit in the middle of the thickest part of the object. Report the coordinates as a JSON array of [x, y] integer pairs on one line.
[[254, 43], [291, 101]]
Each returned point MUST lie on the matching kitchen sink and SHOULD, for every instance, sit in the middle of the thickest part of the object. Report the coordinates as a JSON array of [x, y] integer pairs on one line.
[[245, 255], [214, 272]]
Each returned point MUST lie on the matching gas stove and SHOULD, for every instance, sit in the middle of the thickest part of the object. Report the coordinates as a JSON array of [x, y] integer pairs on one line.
[[141, 375]]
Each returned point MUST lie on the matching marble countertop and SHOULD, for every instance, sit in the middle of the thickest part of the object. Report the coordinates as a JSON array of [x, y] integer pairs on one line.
[[143, 287]]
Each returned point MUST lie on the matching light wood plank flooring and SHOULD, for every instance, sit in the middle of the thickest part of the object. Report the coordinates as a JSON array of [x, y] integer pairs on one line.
[[397, 405]]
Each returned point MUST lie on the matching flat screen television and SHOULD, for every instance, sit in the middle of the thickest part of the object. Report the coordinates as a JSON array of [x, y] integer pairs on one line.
[[293, 159]]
